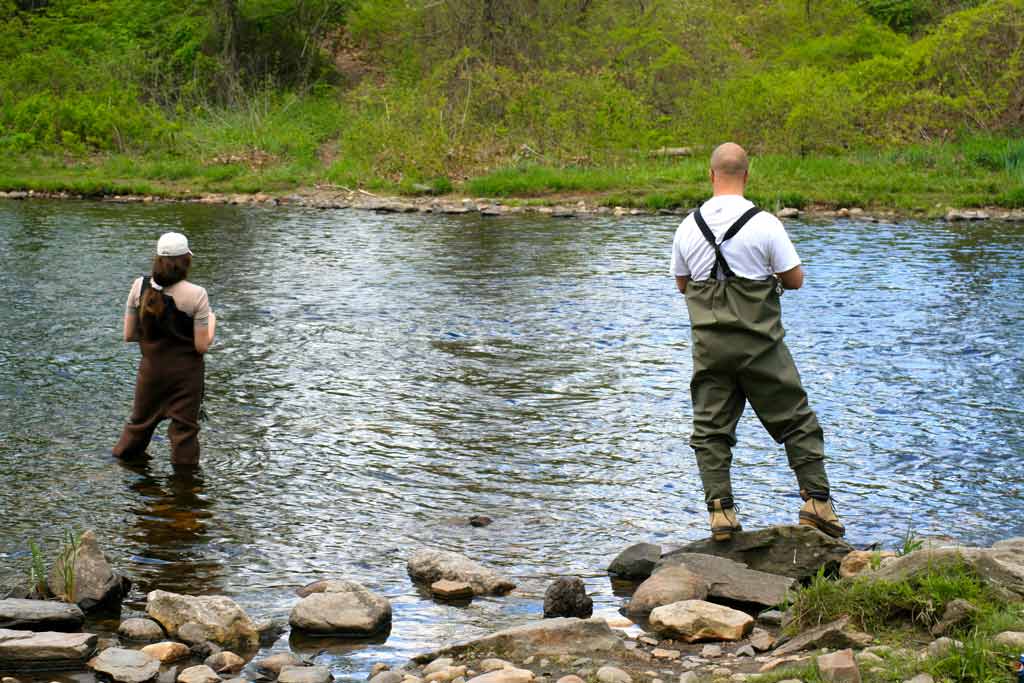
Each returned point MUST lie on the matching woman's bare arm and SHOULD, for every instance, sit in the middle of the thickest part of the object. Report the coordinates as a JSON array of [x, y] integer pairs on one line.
[[131, 327], [204, 335]]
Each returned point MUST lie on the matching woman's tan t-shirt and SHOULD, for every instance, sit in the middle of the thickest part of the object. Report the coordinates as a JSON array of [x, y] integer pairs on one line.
[[188, 298]]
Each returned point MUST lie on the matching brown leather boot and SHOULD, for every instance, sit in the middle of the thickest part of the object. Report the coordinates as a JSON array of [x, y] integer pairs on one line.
[[723, 519], [821, 514]]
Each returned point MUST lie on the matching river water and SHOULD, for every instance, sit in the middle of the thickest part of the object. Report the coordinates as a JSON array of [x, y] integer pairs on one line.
[[378, 379]]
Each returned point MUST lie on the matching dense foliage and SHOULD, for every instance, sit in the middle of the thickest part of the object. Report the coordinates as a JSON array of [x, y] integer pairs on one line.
[[422, 89]]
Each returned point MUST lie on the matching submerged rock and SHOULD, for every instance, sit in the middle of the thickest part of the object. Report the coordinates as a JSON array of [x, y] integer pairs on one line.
[[275, 663], [427, 566], [344, 608], [167, 652], [567, 597], [696, 620], [221, 619], [636, 562], [225, 662], [728, 580], [126, 666], [547, 638], [798, 552], [39, 615], [47, 650], [95, 583], [451, 590]]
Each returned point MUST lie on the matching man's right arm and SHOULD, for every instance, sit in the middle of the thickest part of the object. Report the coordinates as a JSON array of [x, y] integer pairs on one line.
[[792, 278], [681, 284]]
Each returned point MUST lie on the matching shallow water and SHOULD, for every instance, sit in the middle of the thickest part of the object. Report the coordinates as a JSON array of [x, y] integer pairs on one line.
[[378, 379]]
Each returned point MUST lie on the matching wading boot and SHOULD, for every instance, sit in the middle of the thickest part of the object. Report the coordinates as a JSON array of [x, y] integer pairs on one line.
[[723, 519], [819, 512]]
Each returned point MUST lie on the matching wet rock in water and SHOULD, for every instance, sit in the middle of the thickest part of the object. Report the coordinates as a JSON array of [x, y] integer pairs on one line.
[[344, 608], [958, 613], [388, 677], [141, 630], [310, 588], [696, 620], [567, 597], [193, 633], [612, 674], [377, 668], [427, 566], [547, 638], [167, 652], [44, 650], [451, 590], [126, 666], [794, 551], [835, 634], [275, 663], [839, 667], [198, 674], [224, 621], [859, 561], [493, 664], [480, 521], [39, 615], [1014, 639], [270, 630], [225, 662], [671, 584], [636, 562], [95, 582], [511, 675]]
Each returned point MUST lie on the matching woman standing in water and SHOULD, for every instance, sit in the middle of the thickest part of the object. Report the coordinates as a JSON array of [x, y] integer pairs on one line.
[[171, 320]]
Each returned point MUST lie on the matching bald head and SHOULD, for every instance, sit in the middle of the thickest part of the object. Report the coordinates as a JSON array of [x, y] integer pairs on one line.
[[729, 160]]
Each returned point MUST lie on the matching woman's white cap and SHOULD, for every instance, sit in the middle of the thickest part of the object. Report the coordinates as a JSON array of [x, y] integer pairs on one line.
[[172, 244]]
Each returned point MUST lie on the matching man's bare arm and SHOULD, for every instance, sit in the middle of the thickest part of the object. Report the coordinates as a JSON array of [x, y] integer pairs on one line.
[[681, 284], [792, 278]]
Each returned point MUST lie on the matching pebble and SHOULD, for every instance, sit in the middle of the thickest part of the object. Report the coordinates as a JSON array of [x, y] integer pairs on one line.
[[489, 665], [921, 678], [570, 679], [647, 640], [200, 674], [438, 664], [711, 651], [868, 658], [445, 675], [388, 677], [225, 662], [275, 663], [689, 677], [772, 617], [738, 677], [167, 652], [745, 651], [611, 674], [378, 668], [659, 653], [305, 674], [721, 672]]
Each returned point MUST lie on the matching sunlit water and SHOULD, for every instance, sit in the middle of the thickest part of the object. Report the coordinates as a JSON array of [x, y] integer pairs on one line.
[[378, 379]]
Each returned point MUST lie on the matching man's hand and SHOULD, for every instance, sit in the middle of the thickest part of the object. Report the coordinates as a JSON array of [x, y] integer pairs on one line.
[[681, 284], [792, 278]]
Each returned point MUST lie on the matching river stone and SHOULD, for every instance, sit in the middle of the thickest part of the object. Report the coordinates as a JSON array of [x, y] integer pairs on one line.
[[451, 590], [728, 580], [567, 597], [198, 674], [1014, 639], [794, 551], [224, 621], [141, 630], [305, 674], [96, 583], [167, 652], [1001, 566], [388, 677], [671, 584], [859, 561], [940, 647], [570, 678], [838, 667], [445, 675], [921, 678], [344, 608], [310, 588], [126, 666], [439, 664], [275, 663], [427, 566], [505, 676], [696, 620], [612, 674], [636, 562], [957, 614], [45, 650], [762, 640], [836, 635], [546, 638], [493, 664], [39, 615], [225, 662]]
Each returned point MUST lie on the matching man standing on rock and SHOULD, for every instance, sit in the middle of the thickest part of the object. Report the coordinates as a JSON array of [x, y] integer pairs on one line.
[[731, 261]]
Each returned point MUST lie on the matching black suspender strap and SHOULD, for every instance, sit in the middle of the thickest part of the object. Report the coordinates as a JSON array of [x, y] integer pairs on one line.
[[729, 234]]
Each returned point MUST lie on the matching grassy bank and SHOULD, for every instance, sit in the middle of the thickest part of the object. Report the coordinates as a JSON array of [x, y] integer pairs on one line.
[[911, 180]]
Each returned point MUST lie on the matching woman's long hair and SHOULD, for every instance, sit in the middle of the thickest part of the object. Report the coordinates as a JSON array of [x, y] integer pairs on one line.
[[167, 271]]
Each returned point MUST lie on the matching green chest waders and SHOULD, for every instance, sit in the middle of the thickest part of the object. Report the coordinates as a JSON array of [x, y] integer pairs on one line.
[[739, 356]]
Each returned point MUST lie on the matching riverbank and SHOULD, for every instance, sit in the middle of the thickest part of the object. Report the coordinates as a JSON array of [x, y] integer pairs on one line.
[[919, 182]]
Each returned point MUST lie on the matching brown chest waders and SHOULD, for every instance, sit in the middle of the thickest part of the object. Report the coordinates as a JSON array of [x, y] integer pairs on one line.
[[169, 385], [739, 356]]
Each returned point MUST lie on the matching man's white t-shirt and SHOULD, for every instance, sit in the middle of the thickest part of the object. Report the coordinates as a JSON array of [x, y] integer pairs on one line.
[[759, 250]]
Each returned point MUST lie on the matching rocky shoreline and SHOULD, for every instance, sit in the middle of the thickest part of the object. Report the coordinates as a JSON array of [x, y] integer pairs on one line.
[[703, 612], [360, 200]]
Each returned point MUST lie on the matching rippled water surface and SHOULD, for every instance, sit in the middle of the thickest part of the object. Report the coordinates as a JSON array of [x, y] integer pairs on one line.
[[378, 379]]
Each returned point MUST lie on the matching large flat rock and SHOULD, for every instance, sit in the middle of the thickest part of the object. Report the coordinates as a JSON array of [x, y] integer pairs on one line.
[[126, 666], [794, 551], [727, 580], [39, 615], [48, 650], [550, 638]]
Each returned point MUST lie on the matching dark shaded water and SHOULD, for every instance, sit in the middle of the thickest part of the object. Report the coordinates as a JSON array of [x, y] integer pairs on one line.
[[377, 376]]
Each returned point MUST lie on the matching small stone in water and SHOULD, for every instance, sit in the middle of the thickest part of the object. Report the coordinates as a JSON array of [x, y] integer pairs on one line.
[[451, 590], [225, 662], [305, 674], [275, 663], [480, 520]]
